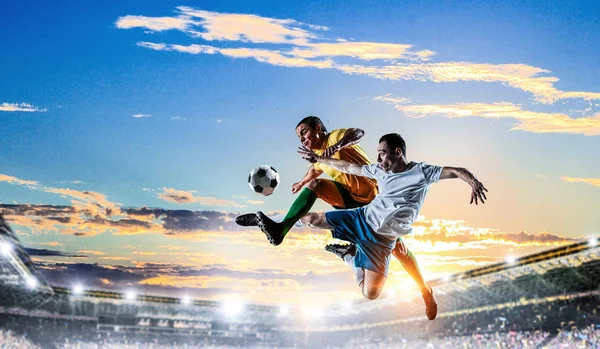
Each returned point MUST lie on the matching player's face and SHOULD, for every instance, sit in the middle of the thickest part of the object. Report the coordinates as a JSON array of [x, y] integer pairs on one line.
[[387, 158], [308, 136]]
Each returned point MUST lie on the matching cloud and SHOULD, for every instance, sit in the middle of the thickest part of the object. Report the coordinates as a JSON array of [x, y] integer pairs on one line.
[[256, 202], [591, 181], [187, 197], [17, 181], [92, 252], [87, 202], [287, 42], [25, 107], [154, 23], [141, 115], [205, 281], [530, 121], [51, 253], [224, 253], [51, 243]]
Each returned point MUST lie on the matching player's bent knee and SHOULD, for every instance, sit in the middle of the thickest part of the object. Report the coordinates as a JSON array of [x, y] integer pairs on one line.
[[371, 293]]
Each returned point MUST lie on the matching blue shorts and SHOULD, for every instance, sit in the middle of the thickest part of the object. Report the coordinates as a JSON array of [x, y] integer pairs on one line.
[[372, 251]]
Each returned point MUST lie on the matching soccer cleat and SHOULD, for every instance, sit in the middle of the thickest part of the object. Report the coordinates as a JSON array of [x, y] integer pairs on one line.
[[431, 307], [247, 220], [273, 230], [341, 250]]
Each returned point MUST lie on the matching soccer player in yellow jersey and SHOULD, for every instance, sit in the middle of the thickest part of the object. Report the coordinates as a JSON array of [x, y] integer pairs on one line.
[[343, 191]]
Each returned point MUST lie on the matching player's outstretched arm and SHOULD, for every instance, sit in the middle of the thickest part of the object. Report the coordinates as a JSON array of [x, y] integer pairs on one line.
[[340, 165], [478, 190], [309, 176], [351, 136]]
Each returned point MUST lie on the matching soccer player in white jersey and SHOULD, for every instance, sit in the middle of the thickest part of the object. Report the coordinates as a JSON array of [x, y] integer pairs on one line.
[[375, 228]]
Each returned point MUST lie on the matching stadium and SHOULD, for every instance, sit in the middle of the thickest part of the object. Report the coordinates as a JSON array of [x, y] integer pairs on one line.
[[544, 300]]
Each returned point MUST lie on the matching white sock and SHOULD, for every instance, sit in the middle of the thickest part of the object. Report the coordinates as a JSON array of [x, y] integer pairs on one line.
[[359, 273], [280, 216]]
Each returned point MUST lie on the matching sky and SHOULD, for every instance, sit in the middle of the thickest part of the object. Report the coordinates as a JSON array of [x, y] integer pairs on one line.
[[129, 129]]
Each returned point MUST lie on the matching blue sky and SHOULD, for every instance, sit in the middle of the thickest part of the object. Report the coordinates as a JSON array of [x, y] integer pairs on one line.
[[137, 102]]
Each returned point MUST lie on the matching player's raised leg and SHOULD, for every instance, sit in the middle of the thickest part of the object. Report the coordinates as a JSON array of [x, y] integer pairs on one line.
[[367, 255], [324, 189], [409, 262], [370, 282]]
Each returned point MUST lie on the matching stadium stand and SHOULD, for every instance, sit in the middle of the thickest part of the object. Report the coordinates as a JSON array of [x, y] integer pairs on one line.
[[546, 300]]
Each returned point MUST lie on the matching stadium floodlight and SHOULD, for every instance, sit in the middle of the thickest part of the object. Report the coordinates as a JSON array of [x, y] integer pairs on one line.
[[186, 300], [78, 289], [511, 260], [5, 248], [312, 311], [233, 306], [284, 310], [593, 241], [130, 295], [32, 282]]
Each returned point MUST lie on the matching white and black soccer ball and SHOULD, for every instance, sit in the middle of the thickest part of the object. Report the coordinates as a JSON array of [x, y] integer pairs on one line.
[[263, 180]]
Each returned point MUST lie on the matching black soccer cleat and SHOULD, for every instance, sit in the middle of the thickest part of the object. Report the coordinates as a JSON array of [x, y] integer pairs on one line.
[[247, 220], [272, 229], [341, 250], [431, 307]]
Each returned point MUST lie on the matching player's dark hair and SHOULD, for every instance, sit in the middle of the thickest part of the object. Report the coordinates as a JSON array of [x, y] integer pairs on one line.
[[312, 122], [394, 141]]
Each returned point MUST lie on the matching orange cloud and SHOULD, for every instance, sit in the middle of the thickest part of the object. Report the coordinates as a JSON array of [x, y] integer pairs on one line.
[[15, 180], [310, 48], [591, 181], [51, 243], [141, 253], [186, 197], [23, 107], [537, 122], [95, 253], [113, 258]]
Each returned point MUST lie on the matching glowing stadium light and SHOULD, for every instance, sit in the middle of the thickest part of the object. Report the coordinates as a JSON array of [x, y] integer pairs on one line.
[[312, 311], [186, 300], [284, 310], [5, 248], [31, 281], [130, 295], [78, 289], [511, 259], [593, 241], [233, 306]]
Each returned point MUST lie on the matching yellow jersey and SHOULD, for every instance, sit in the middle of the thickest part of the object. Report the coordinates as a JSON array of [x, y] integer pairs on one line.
[[362, 189]]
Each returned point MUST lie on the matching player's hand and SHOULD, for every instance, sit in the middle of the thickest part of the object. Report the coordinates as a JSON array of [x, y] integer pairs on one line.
[[331, 150], [478, 193], [308, 154], [296, 187]]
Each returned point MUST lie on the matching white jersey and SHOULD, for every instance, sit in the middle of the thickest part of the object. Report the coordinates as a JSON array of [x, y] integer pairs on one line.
[[396, 207]]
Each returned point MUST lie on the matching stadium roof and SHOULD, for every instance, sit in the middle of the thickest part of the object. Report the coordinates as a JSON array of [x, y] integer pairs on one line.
[[16, 267]]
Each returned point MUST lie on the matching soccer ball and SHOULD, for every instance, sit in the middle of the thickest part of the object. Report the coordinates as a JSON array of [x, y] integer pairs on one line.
[[263, 180]]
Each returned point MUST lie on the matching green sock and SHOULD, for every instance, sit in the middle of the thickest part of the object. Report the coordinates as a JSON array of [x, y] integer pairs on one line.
[[299, 208], [412, 268]]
